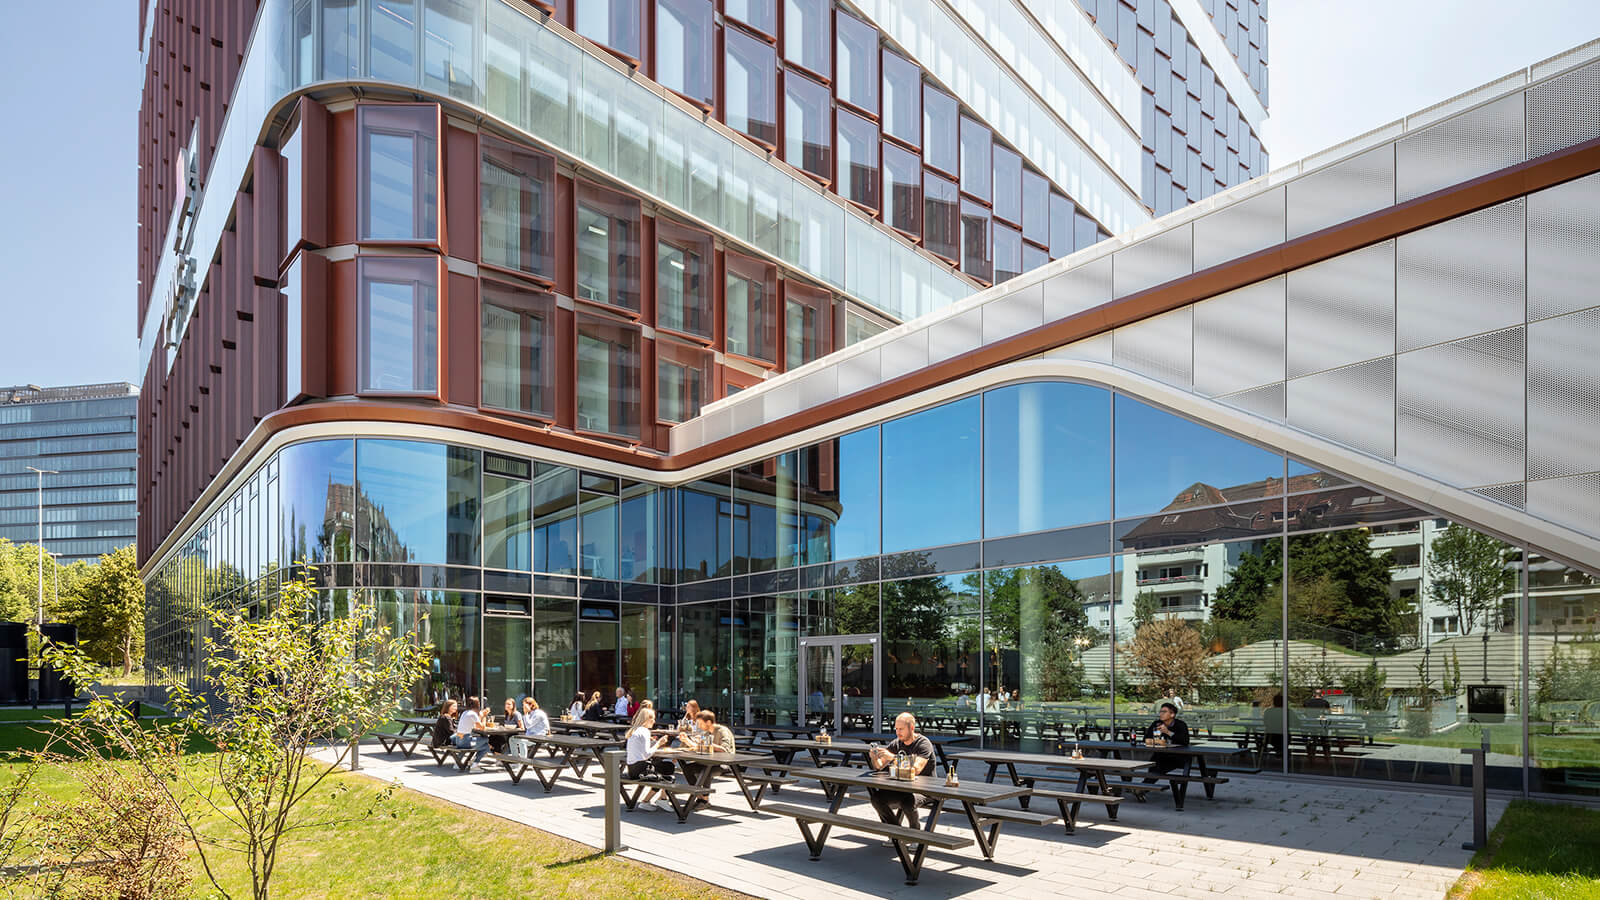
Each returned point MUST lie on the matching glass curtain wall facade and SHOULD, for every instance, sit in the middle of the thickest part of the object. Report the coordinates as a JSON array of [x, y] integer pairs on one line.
[[1087, 556]]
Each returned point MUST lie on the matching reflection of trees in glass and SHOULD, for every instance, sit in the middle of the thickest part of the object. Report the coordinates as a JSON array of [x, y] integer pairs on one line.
[[1467, 571], [1169, 659], [1038, 611], [1145, 606], [1573, 675]]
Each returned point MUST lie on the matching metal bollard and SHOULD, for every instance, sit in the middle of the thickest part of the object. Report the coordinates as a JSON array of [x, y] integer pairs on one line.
[[1480, 800], [355, 754], [611, 764]]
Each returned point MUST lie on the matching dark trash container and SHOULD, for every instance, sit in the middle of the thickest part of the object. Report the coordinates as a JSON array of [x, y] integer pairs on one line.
[[53, 686], [13, 662], [1486, 703]]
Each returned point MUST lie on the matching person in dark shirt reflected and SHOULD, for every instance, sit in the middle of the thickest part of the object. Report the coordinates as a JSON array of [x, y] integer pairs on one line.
[[893, 806], [1175, 732]]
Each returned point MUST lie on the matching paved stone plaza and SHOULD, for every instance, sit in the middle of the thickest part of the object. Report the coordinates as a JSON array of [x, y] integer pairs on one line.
[[1261, 836]]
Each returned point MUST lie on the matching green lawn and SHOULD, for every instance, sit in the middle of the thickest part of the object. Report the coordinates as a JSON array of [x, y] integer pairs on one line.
[[421, 847], [1538, 851]]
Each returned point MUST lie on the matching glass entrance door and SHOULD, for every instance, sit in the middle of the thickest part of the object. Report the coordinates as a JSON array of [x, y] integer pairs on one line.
[[839, 679]]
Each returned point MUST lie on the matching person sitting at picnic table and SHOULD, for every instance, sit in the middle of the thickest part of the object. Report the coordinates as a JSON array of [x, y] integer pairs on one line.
[[1174, 732], [642, 752], [1276, 722], [721, 741], [535, 722], [466, 734], [691, 708], [576, 709], [499, 742], [620, 708], [445, 725], [594, 710], [892, 806]]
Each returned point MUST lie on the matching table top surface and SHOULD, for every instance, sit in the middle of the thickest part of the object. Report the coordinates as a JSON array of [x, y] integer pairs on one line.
[[499, 730], [417, 720], [776, 729], [591, 726], [725, 759], [926, 785], [846, 746], [1050, 759], [1192, 749], [935, 739], [573, 741]]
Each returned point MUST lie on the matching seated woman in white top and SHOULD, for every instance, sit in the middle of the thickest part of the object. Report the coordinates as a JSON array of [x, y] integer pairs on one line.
[[535, 722], [576, 709], [466, 735], [642, 754]]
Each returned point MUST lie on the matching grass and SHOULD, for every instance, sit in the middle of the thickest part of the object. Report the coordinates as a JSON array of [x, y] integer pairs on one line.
[[417, 846], [1538, 851]]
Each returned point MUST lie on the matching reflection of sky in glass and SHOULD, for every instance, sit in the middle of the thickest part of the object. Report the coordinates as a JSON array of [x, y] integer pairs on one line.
[[856, 533], [316, 480], [403, 485], [931, 477], [1047, 457], [1160, 454]]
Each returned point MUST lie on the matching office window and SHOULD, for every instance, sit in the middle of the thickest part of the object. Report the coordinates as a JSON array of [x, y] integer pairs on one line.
[[805, 34], [516, 189], [858, 160], [1035, 208], [683, 380], [976, 254], [752, 308], [806, 125], [1061, 214], [750, 86], [611, 23], [941, 123], [760, 15], [392, 32], [902, 99], [683, 279], [1033, 257], [1007, 252], [608, 376], [1007, 185], [400, 172], [977, 158], [1085, 232], [448, 27], [941, 217], [294, 200], [518, 356], [902, 189], [856, 80], [399, 325], [808, 311], [607, 245], [685, 60]]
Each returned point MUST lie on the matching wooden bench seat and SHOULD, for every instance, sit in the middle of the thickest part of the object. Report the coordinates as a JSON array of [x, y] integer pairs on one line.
[[1069, 801], [681, 796], [406, 744], [546, 770], [1006, 814], [443, 753], [900, 835]]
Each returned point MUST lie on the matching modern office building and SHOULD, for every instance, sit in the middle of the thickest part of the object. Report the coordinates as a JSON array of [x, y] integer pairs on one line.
[[775, 354], [82, 437]]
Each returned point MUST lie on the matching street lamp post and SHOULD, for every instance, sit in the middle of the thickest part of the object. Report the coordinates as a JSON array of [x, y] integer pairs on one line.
[[40, 510]]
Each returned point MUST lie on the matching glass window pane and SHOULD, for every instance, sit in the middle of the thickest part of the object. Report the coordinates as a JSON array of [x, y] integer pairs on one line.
[[1033, 257], [317, 481], [941, 142], [705, 537], [608, 377], [607, 245], [1036, 208], [555, 656], [932, 644], [684, 56], [507, 660], [807, 113], [941, 217], [977, 255], [752, 308], [762, 15], [400, 325], [1007, 252], [839, 498], [1168, 462], [805, 34], [807, 314], [856, 79], [1047, 457], [749, 86], [683, 279], [341, 50], [705, 643], [936, 446], [597, 530], [516, 190], [902, 98], [611, 23], [639, 532], [507, 523], [977, 158], [858, 160], [902, 189], [1061, 216], [400, 177], [517, 360], [447, 53], [402, 488], [392, 30], [555, 519], [763, 515], [684, 376], [1085, 232], [1007, 185]]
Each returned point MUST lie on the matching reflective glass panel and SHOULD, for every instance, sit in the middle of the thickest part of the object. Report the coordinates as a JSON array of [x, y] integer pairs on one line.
[[448, 64], [555, 657], [611, 23], [858, 160], [449, 621], [683, 380], [936, 446], [977, 158], [597, 530], [705, 647], [507, 523], [683, 279], [607, 243], [752, 308], [608, 376], [400, 325], [1563, 674], [507, 661], [941, 123], [902, 189], [902, 98], [1168, 462], [941, 219], [856, 76], [317, 481], [392, 36], [518, 367], [762, 15], [516, 189], [400, 178], [639, 532], [805, 34], [807, 114], [1047, 457], [639, 651], [1061, 215], [704, 530], [555, 519], [416, 503], [1036, 208], [977, 253], [1007, 252], [685, 61], [933, 649], [749, 85], [808, 312], [1007, 184]]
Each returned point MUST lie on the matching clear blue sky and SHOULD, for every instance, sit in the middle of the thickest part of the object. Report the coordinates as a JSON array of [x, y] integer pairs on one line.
[[68, 171]]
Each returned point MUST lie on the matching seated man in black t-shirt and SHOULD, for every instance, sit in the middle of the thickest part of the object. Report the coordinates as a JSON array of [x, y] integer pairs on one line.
[[1167, 727], [893, 805]]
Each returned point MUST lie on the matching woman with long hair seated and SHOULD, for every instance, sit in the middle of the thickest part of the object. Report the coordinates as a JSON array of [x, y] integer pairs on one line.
[[594, 710], [642, 755]]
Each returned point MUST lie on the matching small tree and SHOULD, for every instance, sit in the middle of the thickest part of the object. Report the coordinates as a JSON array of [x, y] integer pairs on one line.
[[1145, 607], [1466, 570], [1169, 658], [1367, 686], [108, 608]]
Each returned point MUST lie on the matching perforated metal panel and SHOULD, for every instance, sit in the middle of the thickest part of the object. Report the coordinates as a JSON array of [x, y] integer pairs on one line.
[[955, 335], [1076, 290], [1093, 349], [1564, 111], [1340, 192], [782, 402], [1341, 311], [904, 354], [1573, 501], [1564, 248], [1564, 395], [1161, 347], [1461, 277], [1461, 410], [1353, 406], [1510, 494], [858, 372], [1016, 312], [1154, 260], [1460, 148], [1239, 230], [1238, 339], [749, 412], [1267, 402], [819, 387]]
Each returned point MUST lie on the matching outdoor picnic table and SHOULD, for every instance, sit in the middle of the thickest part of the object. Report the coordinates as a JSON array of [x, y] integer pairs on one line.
[[576, 751], [1095, 767], [736, 764], [939, 741], [411, 733], [972, 796], [773, 732], [421, 725], [785, 750], [1195, 755], [586, 727]]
